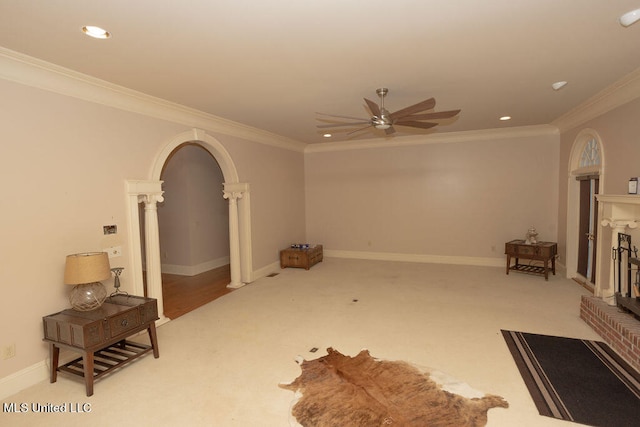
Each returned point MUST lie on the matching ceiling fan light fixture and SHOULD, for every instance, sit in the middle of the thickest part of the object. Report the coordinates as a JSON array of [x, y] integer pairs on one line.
[[96, 32], [382, 126], [629, 18]]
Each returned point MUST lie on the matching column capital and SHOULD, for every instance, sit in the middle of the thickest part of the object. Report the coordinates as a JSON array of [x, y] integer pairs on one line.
[[151, 198], [235, 190], [232, 195]]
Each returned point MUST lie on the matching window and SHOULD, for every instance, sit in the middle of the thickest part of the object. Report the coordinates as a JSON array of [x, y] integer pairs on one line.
[[591, 154]]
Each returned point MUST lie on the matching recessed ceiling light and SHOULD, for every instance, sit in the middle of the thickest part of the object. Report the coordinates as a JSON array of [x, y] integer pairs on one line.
[[558, 85], [96, 32], [327, 135], [505, 118], [629, 18]]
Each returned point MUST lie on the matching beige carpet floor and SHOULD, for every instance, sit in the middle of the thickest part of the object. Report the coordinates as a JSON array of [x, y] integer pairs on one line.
[[221, 364]]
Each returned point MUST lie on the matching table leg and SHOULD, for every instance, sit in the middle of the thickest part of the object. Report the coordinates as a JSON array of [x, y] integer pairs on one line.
[[54, 356], [88, 371], [553, 265], [154, 339], [508, 262], [546, 269]]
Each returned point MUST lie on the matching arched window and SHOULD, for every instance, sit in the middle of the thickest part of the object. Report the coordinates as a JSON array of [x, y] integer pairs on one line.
[[590, 154]]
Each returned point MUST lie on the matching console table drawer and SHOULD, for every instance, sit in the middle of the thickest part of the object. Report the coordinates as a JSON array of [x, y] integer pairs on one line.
[[124, 322]]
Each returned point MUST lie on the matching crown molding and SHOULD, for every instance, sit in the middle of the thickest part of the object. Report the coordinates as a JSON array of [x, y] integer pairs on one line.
[[29, 71], [435, 138], [619, 93]]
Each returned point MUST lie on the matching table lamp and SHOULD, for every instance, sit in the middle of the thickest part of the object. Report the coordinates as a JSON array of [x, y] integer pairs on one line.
[[85, 271]]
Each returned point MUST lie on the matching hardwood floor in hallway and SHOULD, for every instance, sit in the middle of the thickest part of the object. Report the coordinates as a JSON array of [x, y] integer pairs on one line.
[[182, 294]]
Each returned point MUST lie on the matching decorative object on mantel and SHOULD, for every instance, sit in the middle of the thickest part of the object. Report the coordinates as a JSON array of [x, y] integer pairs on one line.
[[633, 185], [531, 236], [85, 271], [117, 271]]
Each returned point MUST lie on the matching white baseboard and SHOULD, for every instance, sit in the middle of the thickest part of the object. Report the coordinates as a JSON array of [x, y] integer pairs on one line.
[[192, 270], [25, 378], [435, 259], [274, 267], [38, 372]]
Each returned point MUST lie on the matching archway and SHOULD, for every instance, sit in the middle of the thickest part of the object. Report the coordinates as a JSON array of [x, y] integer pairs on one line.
[[150, 193], [586, 161]]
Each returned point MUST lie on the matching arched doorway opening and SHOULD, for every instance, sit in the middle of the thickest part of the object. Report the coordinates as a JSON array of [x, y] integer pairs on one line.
[[193, 223], [585, 180], [150, 193]]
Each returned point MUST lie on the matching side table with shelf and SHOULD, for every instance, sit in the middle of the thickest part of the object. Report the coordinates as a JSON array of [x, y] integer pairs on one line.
[[100, 335], [541, 251]]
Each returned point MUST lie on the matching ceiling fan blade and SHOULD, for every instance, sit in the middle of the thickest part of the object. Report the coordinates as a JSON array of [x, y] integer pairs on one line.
[[373, 107], [390, 130], [430, 116], [421, 125], [416, 108], [358, 130], [344, 124], [342, 117]]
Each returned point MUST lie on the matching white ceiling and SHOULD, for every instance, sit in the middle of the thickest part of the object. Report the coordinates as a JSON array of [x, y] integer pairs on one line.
[[273, 64]]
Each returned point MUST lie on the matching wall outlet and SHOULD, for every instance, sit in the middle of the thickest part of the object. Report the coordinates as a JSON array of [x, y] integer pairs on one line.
[[114, 251], [8, 351]]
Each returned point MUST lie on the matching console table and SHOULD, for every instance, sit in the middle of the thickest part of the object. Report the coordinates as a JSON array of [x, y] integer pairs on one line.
[[541, 251], [100, 336]]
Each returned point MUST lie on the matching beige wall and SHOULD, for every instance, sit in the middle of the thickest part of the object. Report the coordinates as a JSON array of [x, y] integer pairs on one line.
[[63, 164], [455, 199], [277, 196]]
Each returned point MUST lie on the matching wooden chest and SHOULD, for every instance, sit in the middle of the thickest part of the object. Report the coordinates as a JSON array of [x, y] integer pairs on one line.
[[88, 329], [301, 258]]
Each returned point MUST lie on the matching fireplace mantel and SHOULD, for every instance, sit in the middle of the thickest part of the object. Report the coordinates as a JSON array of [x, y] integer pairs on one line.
[[617, 213]]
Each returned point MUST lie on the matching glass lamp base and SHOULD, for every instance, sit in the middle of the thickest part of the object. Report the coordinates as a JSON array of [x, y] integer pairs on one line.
[[88, 296]]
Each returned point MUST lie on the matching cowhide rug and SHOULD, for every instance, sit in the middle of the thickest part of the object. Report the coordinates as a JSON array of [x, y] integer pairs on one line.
[[339, 390]]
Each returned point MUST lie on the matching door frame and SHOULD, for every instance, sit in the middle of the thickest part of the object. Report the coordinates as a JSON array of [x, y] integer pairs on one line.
[[573, 194]]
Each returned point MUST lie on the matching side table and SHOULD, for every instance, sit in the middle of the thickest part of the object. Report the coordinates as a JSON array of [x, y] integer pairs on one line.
[[100, 336], [541, 251]]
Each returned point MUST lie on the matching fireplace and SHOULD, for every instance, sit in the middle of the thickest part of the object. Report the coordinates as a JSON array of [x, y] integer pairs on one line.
[[614, 312]]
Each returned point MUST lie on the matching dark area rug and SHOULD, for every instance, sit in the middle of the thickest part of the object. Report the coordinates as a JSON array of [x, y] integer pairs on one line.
[[577, 380]]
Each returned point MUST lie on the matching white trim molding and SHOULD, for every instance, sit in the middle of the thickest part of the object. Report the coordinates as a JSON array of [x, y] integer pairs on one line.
[[434, 138], [194, 270], [420, 258], [621, 92], [29, 71]]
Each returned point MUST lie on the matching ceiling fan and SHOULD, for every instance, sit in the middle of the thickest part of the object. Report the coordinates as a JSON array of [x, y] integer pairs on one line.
[[384, 120]]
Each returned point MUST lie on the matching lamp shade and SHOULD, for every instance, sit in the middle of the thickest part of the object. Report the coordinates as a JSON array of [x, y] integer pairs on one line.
[[86, 268]]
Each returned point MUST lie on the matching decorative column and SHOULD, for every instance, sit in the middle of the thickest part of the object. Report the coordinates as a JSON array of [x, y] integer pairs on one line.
[[617, 226], [152, 246], [234, 241]]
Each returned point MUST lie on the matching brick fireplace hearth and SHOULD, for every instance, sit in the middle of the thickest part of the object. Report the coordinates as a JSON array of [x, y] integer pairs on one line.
[[618, 329]]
